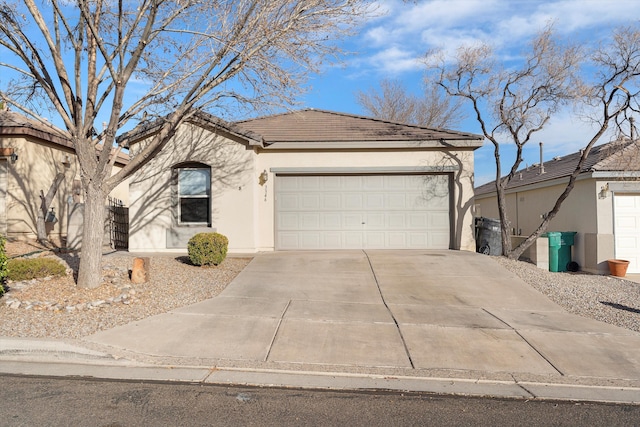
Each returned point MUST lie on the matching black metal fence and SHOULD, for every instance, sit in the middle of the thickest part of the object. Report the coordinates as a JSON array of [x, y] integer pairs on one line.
[[118, 224]]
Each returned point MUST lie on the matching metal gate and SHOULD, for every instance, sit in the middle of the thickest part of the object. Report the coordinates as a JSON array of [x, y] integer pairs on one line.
[[118, 224]]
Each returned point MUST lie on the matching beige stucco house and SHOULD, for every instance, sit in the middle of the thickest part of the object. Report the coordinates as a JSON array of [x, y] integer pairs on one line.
[[603, 208], [32, 153], [303, 181]]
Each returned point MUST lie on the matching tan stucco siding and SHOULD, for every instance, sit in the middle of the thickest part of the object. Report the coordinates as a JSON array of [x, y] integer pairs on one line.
[[151, 212], [580, 212], [34, 171], [243, 208], [121, 192]]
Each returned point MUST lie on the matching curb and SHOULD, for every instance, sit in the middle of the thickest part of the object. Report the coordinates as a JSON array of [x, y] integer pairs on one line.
[[125, 370]]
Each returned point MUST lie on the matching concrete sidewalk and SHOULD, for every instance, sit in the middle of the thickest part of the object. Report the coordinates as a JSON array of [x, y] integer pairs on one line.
[[438, 321]]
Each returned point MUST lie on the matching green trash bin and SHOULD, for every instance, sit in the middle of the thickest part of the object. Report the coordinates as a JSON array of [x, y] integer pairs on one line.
[[559, 249]]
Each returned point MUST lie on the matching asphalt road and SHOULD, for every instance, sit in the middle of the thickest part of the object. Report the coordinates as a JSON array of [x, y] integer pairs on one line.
[[42, 401]]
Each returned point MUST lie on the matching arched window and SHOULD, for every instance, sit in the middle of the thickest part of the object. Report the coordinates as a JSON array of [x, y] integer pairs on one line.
[[192, 186]]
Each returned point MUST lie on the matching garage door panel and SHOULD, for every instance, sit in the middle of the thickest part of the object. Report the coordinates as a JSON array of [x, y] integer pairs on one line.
[[418, 240], [353, 221], [351, 201], [331, 239], [375, 239], [288, 221], [375, 221], [288, 202], [369, 211], [353, 240], [627, 229], [332, 183], [374, 201], [310, 240], [351, 183], [374, 182], [310, 221], [438, 219], [310, 202], [397, 221], [627, 223], [627, 244], [308, 183], [396, 202], [332, 201], [288, 240], [417, 221], [331, 221]]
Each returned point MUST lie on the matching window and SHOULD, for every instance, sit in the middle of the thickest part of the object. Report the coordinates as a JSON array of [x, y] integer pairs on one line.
[[194, 194]]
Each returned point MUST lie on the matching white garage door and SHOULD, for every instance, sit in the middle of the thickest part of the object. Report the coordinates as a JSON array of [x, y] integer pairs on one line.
[[362, 212], [627, 229]]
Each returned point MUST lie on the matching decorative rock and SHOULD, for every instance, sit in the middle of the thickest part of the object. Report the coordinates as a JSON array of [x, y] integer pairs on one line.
[[15, 305]]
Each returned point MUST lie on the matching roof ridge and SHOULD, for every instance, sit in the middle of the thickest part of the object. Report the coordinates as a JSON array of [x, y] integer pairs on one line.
[[361, 117], [269, 116]]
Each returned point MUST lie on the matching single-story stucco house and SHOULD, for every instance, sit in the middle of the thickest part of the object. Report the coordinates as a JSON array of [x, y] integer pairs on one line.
[[304, 180], [603, 208], [32, 153]]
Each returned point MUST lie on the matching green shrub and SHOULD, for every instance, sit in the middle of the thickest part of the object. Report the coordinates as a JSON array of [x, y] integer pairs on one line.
[[207, 248], [4, 271], [31, 268]]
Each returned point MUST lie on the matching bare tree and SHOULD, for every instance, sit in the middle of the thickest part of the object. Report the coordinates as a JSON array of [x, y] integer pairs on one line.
[[119, 61], [392, 102], [513, 104]]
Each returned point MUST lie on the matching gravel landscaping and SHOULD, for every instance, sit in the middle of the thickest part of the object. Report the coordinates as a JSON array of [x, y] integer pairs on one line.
[[605, 298], [57, 308]]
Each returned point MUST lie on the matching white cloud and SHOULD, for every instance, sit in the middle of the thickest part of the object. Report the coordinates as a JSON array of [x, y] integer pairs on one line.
[[448, 24], [395, 60]]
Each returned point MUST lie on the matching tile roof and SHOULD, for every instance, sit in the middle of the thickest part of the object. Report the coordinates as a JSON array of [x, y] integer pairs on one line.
[[312, 125], [199, 118], [615, 156], [12, 123]]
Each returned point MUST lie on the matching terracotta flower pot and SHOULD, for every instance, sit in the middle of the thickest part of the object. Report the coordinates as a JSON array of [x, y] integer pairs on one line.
[[618, 267]]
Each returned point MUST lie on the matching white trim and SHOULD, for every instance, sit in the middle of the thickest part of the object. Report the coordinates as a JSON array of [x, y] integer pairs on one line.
[[365, 170], [624, 187], [615, 174]]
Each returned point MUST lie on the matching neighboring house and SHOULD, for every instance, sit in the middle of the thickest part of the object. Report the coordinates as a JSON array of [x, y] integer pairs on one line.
[[32, 153], [305, 180], [603, 208]]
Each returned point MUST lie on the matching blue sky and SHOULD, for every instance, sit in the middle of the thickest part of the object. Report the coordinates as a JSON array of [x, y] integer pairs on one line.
[[392, 45]]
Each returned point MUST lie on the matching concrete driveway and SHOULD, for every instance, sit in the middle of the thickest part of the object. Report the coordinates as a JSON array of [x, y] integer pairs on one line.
[[448, 311]]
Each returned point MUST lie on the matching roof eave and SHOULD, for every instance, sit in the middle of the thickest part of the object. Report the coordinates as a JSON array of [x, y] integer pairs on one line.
[[535, 185], [363, 145], [134, 136]]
